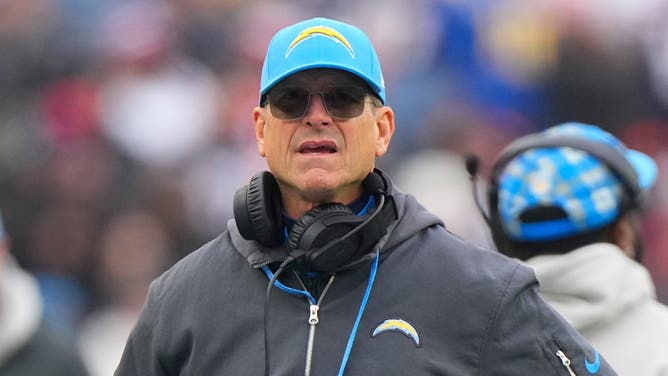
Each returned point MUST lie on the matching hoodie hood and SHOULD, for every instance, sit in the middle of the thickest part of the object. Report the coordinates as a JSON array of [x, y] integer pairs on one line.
[[592, 285], [412, 218]]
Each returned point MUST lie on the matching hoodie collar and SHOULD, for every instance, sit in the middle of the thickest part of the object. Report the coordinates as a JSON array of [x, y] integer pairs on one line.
[[412, 219], [593, 284]]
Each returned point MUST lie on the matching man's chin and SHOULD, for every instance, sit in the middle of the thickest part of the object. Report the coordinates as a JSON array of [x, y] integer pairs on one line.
[[319, 190], [318, 179], [318, 193]]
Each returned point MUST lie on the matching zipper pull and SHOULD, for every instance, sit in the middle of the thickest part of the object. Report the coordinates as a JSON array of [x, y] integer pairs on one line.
[[566, 362], [313, 315]]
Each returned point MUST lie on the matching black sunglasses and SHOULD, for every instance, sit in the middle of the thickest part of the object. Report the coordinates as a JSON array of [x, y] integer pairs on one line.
[[342, 102]]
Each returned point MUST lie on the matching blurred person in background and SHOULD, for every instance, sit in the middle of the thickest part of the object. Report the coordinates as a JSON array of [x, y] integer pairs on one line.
[[134, 248], [158, 105], [416, 174], [28, 346], [567, 202], [447, 193], [60, 248], [346, 254]]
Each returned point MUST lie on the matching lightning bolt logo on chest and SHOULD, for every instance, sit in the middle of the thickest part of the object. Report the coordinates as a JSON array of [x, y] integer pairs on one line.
[[398, 325]]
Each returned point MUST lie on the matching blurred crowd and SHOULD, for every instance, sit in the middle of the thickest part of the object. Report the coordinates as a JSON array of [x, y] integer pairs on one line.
[[125, 125]]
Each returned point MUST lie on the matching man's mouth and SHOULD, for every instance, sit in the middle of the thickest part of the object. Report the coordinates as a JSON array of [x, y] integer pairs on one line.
[[318, 147]]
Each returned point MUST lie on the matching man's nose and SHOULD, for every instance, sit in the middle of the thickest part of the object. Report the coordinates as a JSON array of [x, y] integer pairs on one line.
[[316, 113]]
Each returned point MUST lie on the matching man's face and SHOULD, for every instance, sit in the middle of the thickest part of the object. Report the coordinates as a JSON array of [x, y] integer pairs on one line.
[[320, 154]]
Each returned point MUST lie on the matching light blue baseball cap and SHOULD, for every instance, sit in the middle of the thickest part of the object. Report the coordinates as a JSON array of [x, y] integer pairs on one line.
[[588, 191], [321, 43]]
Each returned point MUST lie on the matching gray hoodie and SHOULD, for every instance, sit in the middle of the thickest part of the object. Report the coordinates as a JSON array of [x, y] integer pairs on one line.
[[430, 304], [610, 300]]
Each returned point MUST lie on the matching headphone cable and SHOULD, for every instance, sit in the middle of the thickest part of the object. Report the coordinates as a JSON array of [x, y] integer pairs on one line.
[[280, 270], [293, 256]]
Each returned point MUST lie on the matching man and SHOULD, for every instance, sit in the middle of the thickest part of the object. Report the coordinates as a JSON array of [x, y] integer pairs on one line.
[[327, 268], [566, 201], [27, 345]]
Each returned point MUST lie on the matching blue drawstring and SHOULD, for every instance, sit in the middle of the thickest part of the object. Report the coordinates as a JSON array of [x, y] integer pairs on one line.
[[285, 288], [353, 332], [369, 204]]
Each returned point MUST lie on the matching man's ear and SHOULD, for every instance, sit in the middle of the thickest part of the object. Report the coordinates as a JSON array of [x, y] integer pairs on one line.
[[259, 120], [385, 124], [624, 234], [4, 249]]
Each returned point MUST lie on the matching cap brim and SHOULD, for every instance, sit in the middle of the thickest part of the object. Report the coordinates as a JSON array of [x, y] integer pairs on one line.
[[644, 167], [321, 64]]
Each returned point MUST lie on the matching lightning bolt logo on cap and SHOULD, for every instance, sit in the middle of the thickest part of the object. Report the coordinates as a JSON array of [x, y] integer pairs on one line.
[[325, 31], [398, 325], [321, 43]]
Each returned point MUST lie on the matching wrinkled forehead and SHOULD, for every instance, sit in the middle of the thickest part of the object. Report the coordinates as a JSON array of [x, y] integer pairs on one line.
[[317, 78]]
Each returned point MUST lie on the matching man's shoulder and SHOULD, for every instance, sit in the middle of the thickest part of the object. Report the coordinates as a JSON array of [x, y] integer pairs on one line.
[[198, 264], [474, 259], [447, 260]]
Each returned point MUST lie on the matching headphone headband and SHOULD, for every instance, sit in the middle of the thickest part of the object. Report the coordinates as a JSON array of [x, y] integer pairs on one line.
[[609, 155]]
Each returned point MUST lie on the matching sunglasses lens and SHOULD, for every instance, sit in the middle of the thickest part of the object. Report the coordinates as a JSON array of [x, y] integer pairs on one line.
[[345, 102], [288, 103]]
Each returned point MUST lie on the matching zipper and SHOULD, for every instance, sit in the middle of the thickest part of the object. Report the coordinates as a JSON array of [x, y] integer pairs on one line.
[[565, 362], [313, 315], [313, 320]]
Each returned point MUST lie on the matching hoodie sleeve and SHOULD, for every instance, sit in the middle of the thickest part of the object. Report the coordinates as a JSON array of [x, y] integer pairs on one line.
[[525, 336], [141, 353]]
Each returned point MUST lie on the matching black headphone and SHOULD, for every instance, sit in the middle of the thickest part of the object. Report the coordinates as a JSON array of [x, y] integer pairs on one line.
[[607, 154], [327, 237]]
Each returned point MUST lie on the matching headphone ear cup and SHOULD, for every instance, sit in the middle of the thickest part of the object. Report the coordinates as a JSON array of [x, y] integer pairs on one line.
[[320, 226], [307, 233], [257, 210]]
